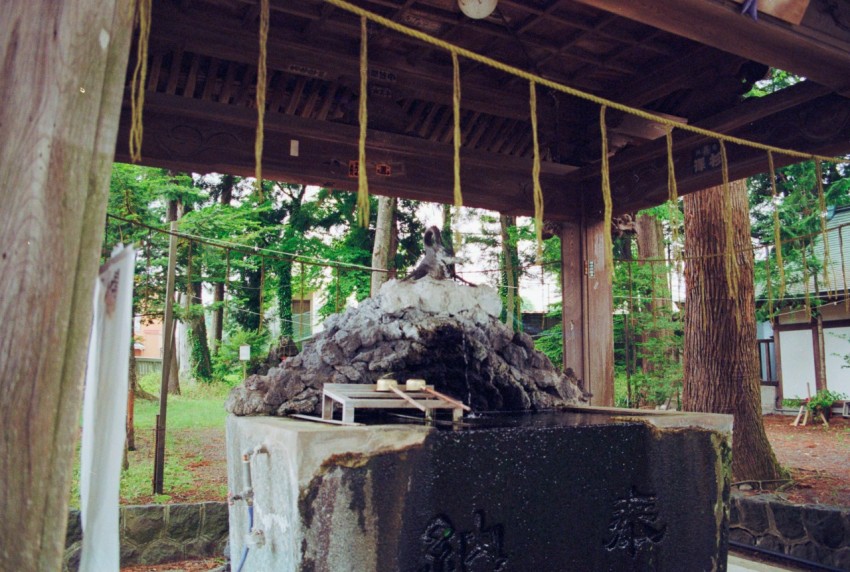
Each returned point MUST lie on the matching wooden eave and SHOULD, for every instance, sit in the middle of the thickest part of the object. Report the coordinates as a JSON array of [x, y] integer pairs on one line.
[[200, 95]]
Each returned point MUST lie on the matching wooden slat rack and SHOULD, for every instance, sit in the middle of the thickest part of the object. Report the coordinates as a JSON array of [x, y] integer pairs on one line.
[[353, 396]]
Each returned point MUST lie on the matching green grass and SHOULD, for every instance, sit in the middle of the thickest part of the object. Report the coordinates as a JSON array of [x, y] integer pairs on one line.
[[200, 407]]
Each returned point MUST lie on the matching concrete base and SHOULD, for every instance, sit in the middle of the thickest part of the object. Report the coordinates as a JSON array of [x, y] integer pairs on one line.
[[590, 490]]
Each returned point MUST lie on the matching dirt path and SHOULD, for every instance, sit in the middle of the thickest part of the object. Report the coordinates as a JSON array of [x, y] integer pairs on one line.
[[819, 459]]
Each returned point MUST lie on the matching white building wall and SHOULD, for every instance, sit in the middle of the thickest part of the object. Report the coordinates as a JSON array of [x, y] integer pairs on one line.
[[797, 353]]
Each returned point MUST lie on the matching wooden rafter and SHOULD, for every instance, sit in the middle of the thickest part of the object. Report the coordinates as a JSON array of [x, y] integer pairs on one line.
[[817, 49]]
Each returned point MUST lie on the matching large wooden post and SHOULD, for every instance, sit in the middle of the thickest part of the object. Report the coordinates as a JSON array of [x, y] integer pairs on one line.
[[62, 70], [588, 309]]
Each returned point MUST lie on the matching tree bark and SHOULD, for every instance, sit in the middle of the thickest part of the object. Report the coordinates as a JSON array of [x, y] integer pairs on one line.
[[227, 184], [200, 345], [721, 356], [60, 123], [383, 242], [650, 243]]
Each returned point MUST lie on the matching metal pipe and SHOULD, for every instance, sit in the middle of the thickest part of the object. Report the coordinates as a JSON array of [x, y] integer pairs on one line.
[[784, 557], [247, 495], [244, 556]]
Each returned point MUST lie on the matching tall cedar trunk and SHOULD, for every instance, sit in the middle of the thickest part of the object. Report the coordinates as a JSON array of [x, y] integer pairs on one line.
[[227, 184], [200, 344], [721, 360], [383, 242], [55, 161], [247, 313], [284, 298], [510, 274], [294, 227], [650, 243]]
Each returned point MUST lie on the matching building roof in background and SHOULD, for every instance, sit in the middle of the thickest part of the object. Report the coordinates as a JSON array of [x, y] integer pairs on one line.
[[838, 269]]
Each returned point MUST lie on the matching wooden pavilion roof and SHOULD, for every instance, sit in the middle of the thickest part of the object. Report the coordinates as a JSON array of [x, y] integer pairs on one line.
[[690, 60]]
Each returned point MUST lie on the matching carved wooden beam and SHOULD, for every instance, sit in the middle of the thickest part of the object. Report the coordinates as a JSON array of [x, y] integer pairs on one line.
[[639, 177], [325, 58], [197, 136], [204, 136]]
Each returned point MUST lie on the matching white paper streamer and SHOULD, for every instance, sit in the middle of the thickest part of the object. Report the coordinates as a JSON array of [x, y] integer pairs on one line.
[[105, 411]]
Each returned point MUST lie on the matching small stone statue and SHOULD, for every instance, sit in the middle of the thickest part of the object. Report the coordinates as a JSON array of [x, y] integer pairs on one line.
[[439, 261]]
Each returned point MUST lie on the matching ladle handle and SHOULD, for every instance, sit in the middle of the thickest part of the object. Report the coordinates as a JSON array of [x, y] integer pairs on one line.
[[447, 398], [402, 394]]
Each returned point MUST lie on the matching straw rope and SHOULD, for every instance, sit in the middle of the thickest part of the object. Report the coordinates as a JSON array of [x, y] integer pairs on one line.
[[535, 173], [822, 217], [806, 278], [777, 233], [362, 180], [413, 33], [137, 84], [769, 289], [606, 195], [673, 196], [262, 75], [457, 135], [843, 267], [731, 259]]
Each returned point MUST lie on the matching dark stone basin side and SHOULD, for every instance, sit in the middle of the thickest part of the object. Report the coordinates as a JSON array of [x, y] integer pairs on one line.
[[560, 491]]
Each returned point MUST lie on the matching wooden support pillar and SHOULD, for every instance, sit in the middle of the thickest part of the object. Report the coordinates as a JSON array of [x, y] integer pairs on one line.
[[588, 309], [63, 66]]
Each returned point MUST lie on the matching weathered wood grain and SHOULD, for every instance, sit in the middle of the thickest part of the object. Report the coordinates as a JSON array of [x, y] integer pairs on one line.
[[62, 67]]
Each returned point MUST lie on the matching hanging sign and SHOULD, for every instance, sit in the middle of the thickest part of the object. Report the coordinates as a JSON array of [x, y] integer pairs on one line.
[[707, 158], [381, 169], [383, 74], [306, 71]]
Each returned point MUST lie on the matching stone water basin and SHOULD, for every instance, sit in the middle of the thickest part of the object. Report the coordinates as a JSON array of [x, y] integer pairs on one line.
[[587, 489]]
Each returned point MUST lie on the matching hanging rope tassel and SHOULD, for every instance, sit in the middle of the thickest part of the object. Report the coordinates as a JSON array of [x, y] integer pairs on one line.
[[806, 280], [606, 195], [730, 257], [262, 80], [673, 201], [262, 287], [777, 234], [362, 181], [843, 267], [457, 135], [769, 289], [137, 85], [652, 295], [226, 285], [535, 174], [822, 206], [337, 290]]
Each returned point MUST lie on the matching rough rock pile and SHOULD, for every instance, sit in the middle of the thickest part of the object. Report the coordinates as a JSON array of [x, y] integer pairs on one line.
[[438, 330]]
